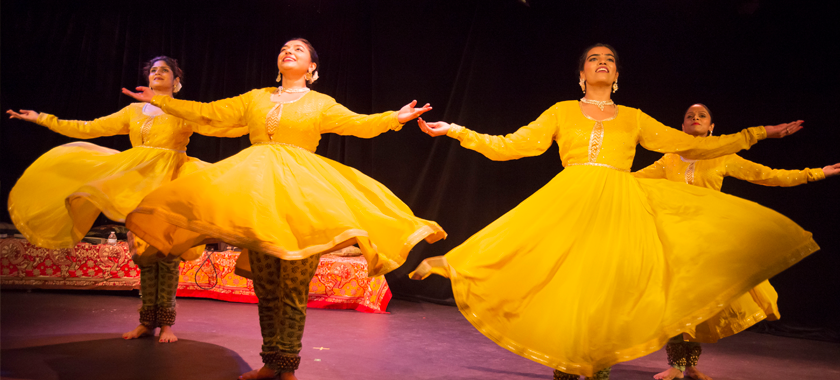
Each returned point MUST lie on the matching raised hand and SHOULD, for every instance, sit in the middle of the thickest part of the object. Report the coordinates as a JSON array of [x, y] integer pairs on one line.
[[145, 94], [408, 112], [433, 129], [782, 130], [831, 170], [27, 115]]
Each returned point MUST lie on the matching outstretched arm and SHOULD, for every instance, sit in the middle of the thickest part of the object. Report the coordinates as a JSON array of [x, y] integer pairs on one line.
[[747, 170], [219, 114], [336, 118], [530, 140], [114, 124], [655, 136]]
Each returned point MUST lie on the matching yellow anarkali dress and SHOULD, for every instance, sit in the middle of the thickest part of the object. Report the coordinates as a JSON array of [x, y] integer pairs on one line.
[[599, 267], [278, 197], [57, 199], [760, 302]]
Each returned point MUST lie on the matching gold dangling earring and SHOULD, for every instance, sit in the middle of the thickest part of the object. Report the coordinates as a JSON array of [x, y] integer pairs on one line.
[[279, 77], [615, 86], [582, 84], [308, 76]]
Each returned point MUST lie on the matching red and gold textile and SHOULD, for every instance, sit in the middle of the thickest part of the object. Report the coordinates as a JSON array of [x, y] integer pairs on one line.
[[339, 283]]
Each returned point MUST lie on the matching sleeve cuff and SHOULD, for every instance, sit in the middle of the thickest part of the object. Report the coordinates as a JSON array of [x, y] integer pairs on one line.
[[454, 130], [760, 132], [42, 119], [396, 125], [815, 175]]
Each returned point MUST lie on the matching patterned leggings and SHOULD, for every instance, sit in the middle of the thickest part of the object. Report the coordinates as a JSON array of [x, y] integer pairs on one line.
[[282, 288], [158, 284], [682, 354], [603, 374]]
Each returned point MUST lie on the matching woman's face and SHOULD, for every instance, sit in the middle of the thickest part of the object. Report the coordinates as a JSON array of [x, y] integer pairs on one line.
[[697, 121], [294, 58], [599, 66], [161, 76]]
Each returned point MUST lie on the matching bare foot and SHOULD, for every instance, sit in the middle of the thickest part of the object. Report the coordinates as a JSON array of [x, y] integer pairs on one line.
[[695, 373], [139, 331], [262, 373], [669, 374], [166, 335]]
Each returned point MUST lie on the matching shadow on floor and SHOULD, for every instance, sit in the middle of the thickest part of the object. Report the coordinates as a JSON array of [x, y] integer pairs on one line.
[[117, 358]]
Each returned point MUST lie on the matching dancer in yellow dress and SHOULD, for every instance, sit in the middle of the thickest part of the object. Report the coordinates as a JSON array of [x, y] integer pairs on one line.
[[57, 199], [760, 302], [280, 201], [594, 268]]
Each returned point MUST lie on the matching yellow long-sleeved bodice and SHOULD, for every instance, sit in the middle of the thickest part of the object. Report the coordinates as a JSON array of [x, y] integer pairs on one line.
[[610, 142], [710, 173], [144, 130], [299, 123]]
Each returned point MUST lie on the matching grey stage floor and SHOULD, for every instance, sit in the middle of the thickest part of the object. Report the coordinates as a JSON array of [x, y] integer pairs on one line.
[[66, 335]]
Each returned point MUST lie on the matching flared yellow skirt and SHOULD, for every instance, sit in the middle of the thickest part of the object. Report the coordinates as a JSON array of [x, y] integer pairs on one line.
[[599, 267], [758, 304], [57, 199], [286, 202]]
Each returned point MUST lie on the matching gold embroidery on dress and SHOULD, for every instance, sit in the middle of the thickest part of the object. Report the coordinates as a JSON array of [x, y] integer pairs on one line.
[[596, 140], [689, 174], [272, 120], [146, 129]]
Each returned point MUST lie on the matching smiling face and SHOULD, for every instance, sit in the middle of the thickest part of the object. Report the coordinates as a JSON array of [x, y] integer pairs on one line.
[[161, 76], [698, 121], [295, 58], [599, 66]]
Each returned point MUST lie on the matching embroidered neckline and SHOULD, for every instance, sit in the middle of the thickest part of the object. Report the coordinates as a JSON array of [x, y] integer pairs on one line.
[[289, 102], [143, 111], [615, 115]]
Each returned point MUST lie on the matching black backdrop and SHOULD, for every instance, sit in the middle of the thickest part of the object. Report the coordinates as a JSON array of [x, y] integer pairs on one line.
[[492, 65]]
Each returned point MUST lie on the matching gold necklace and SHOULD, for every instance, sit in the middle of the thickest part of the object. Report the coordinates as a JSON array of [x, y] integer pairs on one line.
[[281, 90], [599, 103]]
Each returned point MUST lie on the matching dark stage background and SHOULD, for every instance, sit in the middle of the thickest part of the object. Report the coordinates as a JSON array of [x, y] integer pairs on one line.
[[490, 65]]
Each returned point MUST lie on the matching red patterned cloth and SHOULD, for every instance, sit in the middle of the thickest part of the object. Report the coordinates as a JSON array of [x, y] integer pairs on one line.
[[339, 282], [86, 266]]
